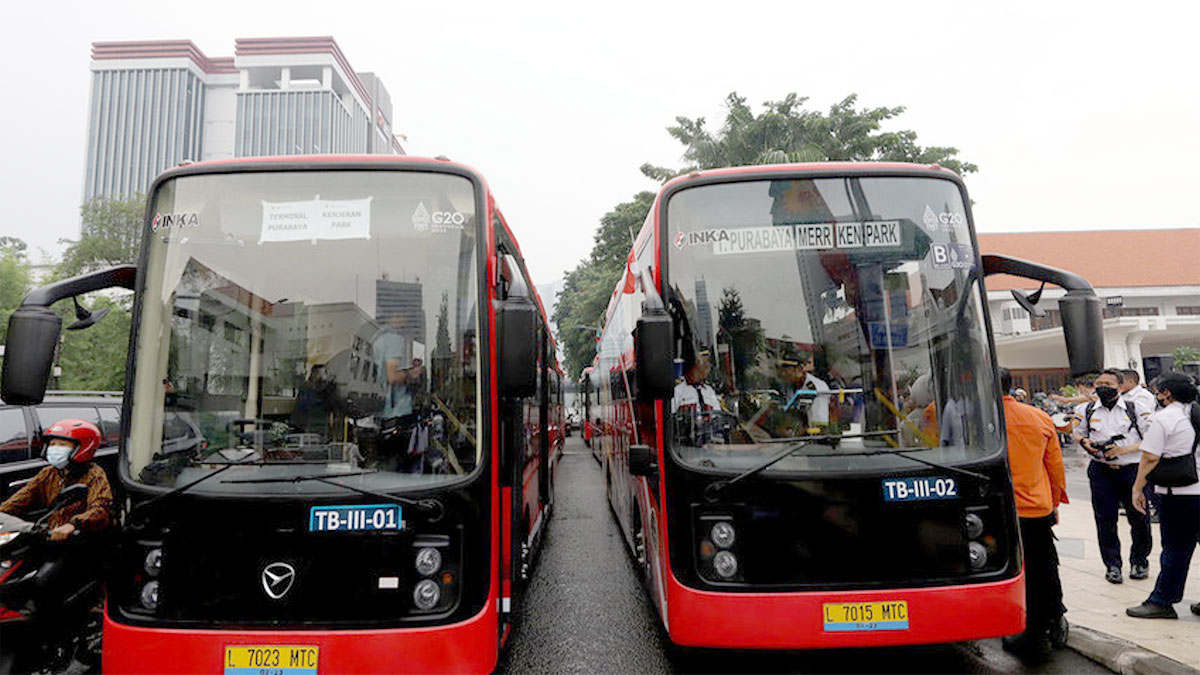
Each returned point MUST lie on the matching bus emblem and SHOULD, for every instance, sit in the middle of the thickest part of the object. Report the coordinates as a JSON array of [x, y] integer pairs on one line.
[[277, 579], [420, 218]]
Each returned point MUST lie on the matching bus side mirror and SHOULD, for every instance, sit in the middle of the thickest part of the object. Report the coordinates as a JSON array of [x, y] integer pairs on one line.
[[1082, 318], [1083, 330], [29, 354], [641, 461], [33, 331], [652, 344], [517, 357]]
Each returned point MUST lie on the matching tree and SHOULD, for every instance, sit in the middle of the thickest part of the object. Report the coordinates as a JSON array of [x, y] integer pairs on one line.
[[744, 335], [93, 359], [786, 132], [588, 287], [111, 234], [14, 279], [1185, 354]]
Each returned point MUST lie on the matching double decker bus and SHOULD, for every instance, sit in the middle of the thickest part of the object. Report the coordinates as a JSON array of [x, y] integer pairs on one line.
[[803, 434], [338, 428]]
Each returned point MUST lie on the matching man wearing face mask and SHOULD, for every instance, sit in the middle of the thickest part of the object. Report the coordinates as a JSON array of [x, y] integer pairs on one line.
[[70, 446], [1112, 471]]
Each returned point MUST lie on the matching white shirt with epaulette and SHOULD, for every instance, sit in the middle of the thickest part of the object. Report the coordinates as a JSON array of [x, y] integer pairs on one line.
[[1108, 422], [1171, 435]]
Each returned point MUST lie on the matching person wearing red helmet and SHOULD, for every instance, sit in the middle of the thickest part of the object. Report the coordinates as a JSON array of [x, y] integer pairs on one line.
[[69, 446]]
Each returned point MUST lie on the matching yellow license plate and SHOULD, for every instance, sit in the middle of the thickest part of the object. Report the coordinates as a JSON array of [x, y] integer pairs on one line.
[[857, 616], [271, 660]]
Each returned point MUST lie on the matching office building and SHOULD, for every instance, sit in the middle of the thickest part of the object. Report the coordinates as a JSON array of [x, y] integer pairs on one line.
[[156, 104]]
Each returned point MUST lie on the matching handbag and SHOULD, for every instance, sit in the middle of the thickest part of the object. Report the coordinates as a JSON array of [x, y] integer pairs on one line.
[[1173, 472]]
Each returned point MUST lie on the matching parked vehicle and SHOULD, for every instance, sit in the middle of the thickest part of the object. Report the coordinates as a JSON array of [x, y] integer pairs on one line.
[[341, 423], [774, 484]]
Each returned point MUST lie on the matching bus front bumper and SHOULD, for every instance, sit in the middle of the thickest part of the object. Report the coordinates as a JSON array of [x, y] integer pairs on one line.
[[802, 620], [466, 647]]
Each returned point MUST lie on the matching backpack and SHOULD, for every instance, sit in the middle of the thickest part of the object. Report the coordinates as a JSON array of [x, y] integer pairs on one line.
[[1130, 411]]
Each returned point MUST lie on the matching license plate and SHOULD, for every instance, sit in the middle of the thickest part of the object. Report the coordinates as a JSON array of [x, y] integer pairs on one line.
[[856, 616], [355, 518], [919, 489], [271, 660]]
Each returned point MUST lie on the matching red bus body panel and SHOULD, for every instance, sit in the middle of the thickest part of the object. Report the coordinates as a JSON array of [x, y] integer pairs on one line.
[[466, 647], [794, 620]]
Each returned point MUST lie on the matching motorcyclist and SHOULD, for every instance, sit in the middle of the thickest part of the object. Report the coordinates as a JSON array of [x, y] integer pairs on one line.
[[61, 600], [69, 447]]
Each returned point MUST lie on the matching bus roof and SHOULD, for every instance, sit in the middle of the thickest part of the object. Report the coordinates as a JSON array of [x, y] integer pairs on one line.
[[811, 167]]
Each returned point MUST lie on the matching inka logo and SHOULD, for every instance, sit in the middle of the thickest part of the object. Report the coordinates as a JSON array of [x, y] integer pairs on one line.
[[930, 218], [162, 221], [420, 218], [701, 237]]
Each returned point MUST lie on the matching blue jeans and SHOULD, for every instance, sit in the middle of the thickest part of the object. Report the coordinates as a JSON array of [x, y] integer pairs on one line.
[[1179, 520], [1112, 487]]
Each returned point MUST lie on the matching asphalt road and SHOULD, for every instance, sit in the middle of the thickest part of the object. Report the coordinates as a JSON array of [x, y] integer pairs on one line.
[[585, 611]]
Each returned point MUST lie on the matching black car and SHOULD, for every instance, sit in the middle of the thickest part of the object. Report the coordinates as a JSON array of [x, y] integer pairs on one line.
[[21, 434]]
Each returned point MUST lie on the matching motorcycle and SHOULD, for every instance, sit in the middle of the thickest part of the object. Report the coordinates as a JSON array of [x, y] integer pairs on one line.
[[47, 622]]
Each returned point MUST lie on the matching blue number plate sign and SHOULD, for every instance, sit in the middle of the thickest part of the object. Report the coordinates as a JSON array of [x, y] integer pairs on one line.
[[355, 518], [919, 489]]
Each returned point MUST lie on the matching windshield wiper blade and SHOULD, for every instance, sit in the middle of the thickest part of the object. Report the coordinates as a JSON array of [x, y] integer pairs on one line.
[[429, 505], [299, 479], [903, 453], [715, 488], [178, 490]]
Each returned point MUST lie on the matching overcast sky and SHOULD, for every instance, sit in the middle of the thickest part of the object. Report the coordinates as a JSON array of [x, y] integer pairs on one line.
[[1079, 117]]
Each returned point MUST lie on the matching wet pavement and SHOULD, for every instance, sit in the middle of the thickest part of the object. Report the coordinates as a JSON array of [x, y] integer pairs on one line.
[[585, 611]]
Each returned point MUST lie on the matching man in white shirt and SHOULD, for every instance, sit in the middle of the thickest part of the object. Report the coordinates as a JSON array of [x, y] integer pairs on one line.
[[1131, 389], [1171, 433], [698, 401], [1112, 471], [818, 412]]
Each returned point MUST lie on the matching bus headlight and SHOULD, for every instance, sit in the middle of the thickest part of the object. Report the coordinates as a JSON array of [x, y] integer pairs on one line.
[[726, 564], [723, 534], [149, 596], [974, 525], [153, 562], [426, 594], [429, 561], [977, 554]]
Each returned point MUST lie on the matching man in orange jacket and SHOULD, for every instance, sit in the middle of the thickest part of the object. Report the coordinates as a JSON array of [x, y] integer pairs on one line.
[[1039, 485]]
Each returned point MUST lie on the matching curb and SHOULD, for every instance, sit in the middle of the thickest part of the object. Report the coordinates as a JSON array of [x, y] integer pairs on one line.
[[1122, 656]]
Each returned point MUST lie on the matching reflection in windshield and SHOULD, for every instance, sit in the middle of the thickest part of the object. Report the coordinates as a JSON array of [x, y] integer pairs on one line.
[[338, 343], [844, 311]]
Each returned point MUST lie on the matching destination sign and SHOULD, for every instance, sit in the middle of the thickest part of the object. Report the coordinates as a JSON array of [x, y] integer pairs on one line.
[[816, 236]]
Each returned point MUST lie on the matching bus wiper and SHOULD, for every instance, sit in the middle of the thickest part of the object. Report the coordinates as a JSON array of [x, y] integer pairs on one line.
[[714, 489], [902, 453], [180, 489], [428, 505]]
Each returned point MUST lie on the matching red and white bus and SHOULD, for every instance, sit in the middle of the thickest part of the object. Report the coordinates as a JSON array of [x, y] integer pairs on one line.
[[340, 420], [802, 434]]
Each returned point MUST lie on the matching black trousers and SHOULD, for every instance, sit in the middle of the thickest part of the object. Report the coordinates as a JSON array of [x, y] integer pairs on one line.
[[1180, 528], [1043, 588], [1112, 488]]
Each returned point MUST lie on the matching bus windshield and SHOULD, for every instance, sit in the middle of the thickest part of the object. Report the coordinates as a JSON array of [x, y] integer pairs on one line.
[[839, 316], [306, 324]]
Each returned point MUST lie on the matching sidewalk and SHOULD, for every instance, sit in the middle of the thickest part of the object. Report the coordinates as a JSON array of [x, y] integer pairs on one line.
[[1095, 604]]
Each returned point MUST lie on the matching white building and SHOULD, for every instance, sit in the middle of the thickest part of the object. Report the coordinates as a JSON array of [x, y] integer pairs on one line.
[[1148, 280], [155, 104]]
